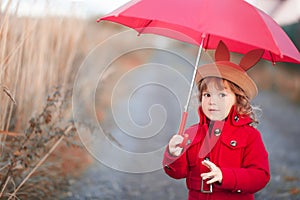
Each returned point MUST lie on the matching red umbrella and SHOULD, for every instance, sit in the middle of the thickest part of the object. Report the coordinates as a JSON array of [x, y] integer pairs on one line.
[[241, 26]]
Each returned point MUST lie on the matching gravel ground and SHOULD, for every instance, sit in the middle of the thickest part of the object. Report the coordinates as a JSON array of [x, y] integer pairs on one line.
[[280, 130]]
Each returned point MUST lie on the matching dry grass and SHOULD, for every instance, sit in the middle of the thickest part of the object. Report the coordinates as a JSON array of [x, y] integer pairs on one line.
[[36, 55], [38, 61], [39, 58]]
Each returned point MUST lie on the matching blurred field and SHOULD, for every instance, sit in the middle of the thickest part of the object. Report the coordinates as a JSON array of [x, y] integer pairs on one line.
[[39, 58], [281, 78]]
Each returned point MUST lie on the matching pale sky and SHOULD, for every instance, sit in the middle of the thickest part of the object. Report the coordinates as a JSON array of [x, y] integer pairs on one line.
[[36, 7], [288, 12], [64, 7]]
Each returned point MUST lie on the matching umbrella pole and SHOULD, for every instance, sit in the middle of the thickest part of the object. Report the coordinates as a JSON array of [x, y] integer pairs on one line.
[[185, 113]]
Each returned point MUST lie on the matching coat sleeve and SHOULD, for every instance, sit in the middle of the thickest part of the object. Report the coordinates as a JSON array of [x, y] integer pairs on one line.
[[175, 167], [255, 172]]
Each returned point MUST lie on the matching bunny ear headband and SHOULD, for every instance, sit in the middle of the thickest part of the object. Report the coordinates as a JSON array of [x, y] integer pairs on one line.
[[223, 68]]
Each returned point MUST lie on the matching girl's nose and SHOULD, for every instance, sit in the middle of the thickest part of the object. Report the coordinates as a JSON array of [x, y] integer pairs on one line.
[[212, 100]]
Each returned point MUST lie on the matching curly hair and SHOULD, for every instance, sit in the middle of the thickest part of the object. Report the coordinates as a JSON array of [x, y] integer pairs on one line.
[[243, 105]]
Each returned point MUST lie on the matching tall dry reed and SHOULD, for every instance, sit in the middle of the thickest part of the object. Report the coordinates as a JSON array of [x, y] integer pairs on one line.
[[37, 56]]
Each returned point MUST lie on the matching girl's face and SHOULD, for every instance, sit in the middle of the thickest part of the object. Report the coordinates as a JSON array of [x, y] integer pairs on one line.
[[217, 101]]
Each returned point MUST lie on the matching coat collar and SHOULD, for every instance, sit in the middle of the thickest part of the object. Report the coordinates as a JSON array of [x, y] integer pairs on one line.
[[233, 118], [205, 126]]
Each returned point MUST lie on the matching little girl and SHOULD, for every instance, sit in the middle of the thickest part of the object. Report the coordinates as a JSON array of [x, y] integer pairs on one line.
[[225, 157]]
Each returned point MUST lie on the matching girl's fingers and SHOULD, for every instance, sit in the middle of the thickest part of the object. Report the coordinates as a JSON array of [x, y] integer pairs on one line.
[[213, 180], [173, 145], [208, 175], [209, 165], [212, 176], [175, 140], [215, 175]]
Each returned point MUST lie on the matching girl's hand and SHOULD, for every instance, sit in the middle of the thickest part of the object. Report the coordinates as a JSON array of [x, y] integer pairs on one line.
[[174, 149], [215, 174]]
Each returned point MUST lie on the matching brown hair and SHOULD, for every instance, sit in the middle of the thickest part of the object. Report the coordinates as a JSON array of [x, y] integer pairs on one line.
[[243, 105]]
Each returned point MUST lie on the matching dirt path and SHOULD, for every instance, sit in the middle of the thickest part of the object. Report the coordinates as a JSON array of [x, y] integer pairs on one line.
[[280, 130], [280, 127]]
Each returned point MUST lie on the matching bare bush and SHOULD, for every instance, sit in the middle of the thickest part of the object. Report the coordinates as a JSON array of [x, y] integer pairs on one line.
[[22, 174]]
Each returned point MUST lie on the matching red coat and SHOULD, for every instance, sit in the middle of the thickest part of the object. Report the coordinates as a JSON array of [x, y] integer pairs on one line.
[[234, 146]]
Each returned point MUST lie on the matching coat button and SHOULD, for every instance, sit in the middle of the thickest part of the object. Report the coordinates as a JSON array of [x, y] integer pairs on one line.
[[188, 142], [217, 132], [239, 191], [233, 143], [236, 118]]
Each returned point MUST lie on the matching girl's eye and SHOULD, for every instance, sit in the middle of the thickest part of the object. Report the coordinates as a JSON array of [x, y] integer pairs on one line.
[[222, 95], [206, 94]]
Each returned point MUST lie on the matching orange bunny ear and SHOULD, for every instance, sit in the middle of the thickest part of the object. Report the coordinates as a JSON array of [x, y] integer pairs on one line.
[[222, 52], [251, 58]]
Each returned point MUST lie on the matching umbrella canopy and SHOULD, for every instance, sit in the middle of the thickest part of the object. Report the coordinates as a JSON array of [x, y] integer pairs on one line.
[[240, 25]]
